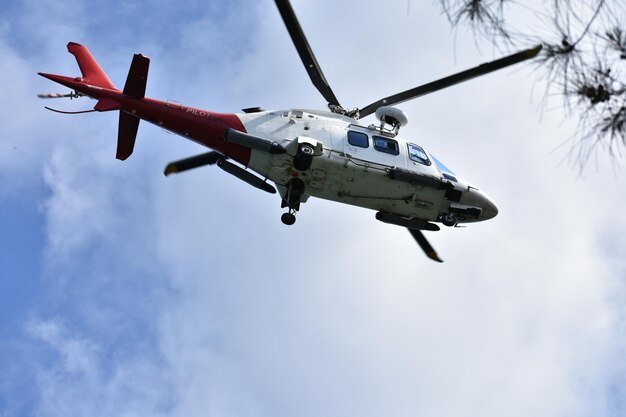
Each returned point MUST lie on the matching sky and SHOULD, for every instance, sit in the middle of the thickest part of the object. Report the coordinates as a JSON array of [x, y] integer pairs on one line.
[[125, 293]]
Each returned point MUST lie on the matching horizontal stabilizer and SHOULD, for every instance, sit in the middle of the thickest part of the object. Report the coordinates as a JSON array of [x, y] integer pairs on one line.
[[126, 135], [137, 78], [106, 104]]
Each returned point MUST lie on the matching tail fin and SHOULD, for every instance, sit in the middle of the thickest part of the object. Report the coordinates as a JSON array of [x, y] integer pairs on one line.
[[135, 87], [126, 135], [92, 73]]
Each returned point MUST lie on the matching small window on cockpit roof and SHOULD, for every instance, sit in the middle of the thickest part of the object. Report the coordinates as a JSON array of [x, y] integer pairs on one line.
[[386, 145], [417, 154], [358, 139]]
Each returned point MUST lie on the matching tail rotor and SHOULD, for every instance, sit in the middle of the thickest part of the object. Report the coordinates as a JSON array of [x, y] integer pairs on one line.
[[71, 95]]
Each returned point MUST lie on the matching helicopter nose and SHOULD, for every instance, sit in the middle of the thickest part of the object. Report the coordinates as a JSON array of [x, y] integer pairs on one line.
[[490, 210]]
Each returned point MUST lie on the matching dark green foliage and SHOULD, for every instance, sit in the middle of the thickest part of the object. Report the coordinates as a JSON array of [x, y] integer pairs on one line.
[[583, 59]]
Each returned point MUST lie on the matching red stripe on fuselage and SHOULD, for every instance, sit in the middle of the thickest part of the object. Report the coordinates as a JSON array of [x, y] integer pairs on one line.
[[201, 126]]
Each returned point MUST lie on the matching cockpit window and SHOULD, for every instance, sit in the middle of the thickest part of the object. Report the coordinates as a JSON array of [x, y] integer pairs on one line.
[[417, 154], [386, 145], [447, 173], [358, 139]]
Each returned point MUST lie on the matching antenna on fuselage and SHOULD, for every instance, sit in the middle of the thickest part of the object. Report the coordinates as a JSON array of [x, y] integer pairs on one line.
[[393, 117]]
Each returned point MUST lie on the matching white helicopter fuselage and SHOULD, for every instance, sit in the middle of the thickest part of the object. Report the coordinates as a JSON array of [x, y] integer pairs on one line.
[[305, 152], [365, 166]]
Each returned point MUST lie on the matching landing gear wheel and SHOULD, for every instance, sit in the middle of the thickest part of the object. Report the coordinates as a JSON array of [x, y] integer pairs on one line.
[[291, 200], [288, 218], [449, 220]]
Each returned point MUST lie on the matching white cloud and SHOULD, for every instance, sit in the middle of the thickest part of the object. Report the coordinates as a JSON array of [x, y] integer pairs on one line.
[[77, 355], [82, 381], [339, 314]]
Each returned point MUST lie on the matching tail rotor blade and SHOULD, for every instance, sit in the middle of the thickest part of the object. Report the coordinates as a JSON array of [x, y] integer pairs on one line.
[[426, 247], [71, 95]]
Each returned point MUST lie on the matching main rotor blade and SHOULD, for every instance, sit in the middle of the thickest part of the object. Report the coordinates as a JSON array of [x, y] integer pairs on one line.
[[305, 52], [451, 80], [421, 240], [208, 158]]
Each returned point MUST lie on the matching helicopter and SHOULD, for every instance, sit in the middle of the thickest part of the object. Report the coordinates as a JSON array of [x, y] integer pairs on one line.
[[305, 153]]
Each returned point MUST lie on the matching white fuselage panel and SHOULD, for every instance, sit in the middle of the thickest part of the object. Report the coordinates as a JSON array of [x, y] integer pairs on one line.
[[345, 173]]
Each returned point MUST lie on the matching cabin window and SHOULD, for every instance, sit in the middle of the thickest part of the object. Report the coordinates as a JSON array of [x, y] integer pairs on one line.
[[358, 139], [417, 154], [386, 145]]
